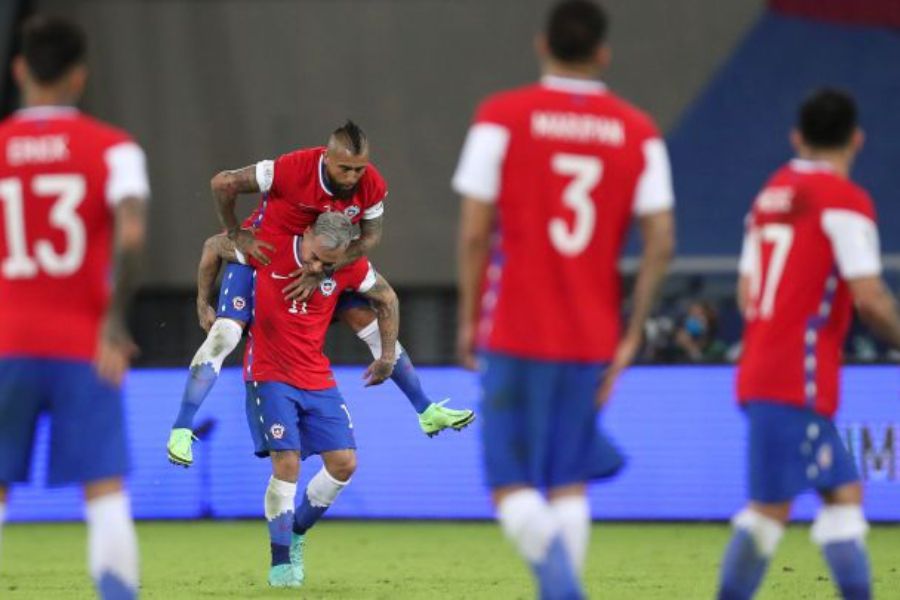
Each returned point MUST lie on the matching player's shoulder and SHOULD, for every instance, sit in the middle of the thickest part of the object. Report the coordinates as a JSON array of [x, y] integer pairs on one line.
[[635, 118], [504, 105], [373, 184], [302, 156], [824, 190], [103, 133]]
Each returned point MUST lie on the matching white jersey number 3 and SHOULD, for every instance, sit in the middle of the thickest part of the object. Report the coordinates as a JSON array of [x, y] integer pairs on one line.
[[585, 172], [69, 191]]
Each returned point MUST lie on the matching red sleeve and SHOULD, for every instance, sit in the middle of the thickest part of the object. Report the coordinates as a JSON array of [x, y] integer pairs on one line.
[[492, 110], [376, 188], [285, 173], [360, 274]]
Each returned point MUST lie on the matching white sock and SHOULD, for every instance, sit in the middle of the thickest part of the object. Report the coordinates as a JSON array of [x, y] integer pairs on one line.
[[323, 489], [279, 498], [529, 523], [371, 335], [573, 513], [222, 339], [112, 541]]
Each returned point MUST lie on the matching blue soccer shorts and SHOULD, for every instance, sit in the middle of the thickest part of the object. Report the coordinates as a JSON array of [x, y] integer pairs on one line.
[[791, 450], [539, 423], [282, 417], [236, 293], [87, 424]]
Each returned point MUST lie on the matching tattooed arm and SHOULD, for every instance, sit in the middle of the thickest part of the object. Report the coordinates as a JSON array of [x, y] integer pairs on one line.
[[226, 187], [387, 307], [116, 347], [215, 249]]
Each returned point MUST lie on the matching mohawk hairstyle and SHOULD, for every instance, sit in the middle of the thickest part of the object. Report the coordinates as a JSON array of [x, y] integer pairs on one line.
[[352, 136]]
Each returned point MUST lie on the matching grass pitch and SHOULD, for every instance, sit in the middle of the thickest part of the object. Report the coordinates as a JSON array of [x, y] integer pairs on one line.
[[352, 560]]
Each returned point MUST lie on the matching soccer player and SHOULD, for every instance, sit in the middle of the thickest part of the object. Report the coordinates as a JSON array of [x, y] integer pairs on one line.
[[74, 192], [296, 187], [810, 254], [294, 408], [551, 176]]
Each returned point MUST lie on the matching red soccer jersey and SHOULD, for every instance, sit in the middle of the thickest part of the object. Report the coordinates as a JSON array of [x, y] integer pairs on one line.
[[61, 175], [568, 164], [286, 338], [809, 230], [296, 192]]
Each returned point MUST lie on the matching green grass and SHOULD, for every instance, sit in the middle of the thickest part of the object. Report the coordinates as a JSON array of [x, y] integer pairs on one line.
[[416, 560]]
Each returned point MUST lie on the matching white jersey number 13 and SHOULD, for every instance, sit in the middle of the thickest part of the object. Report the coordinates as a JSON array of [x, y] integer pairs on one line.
[[585, 172]]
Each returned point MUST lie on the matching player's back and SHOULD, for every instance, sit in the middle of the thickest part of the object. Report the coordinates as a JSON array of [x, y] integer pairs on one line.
[[575, 167], [796, 262], [61, 173]]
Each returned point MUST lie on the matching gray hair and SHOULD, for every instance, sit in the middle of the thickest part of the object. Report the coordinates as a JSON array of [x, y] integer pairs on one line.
[[334, 229]]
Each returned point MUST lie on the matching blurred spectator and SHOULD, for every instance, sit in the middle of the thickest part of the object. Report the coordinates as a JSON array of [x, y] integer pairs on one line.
[[696, 338]]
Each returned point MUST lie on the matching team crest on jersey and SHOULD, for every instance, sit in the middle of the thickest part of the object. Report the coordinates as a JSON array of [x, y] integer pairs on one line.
[[277, 431], [351, 211], [327, 286], [238, 303]]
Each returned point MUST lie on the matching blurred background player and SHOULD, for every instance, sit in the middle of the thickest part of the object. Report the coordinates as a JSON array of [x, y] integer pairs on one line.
[[296, 187], [811, 252], [74, 192], [551, 176], [294, 408]]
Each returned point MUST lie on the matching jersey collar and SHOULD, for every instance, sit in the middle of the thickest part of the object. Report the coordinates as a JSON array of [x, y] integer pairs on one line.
[[573, 85], [805, 165], [46, 112], [323, 182]]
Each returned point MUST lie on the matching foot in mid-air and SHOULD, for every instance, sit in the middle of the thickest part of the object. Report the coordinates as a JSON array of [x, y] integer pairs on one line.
[[285, 576], [437, 418], [180, 442]]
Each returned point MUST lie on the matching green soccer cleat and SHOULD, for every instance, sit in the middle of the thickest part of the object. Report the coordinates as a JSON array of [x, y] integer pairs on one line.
[[285, 576], [298, 542], [437, 418], [179, 447]]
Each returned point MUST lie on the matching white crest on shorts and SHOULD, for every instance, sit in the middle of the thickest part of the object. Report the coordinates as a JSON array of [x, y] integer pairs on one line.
[[351, 211], [327, 286], [277, 431], [238, 303]]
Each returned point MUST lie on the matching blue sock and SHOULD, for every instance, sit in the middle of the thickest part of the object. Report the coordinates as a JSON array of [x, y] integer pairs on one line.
[[556, 575], [742, 568], [849, 565], [405, 377], [307, 515], [110, 587], [320, 493], [280, 537], [200, 382]]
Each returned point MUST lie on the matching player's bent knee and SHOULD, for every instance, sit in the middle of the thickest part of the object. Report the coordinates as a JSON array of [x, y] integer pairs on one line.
[[839, 523], [340, 464], [103, 487], [765, 531]]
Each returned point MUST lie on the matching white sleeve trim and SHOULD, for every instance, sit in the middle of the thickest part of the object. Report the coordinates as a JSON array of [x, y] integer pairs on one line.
[[478, 172], [240, 256], [127, 177], [368, 282], [854, 240], [373, 212], [265, 175], [654, 188]]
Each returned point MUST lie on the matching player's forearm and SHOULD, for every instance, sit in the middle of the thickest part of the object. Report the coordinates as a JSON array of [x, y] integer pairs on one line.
[[880, 314], [659, 246], [369, 237], [387, 309], [130, 234], [207, 270]]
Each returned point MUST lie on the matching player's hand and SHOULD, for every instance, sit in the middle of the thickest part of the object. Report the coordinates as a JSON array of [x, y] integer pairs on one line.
[[114, 351], [378, 371], [625, 353], [465, 346], [303, 285], [206, 314], [245, 241]]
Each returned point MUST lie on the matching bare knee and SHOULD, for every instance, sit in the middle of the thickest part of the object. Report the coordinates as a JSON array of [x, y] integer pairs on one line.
[[358, 317], [851, 493], [340, 464], [286, 465]]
